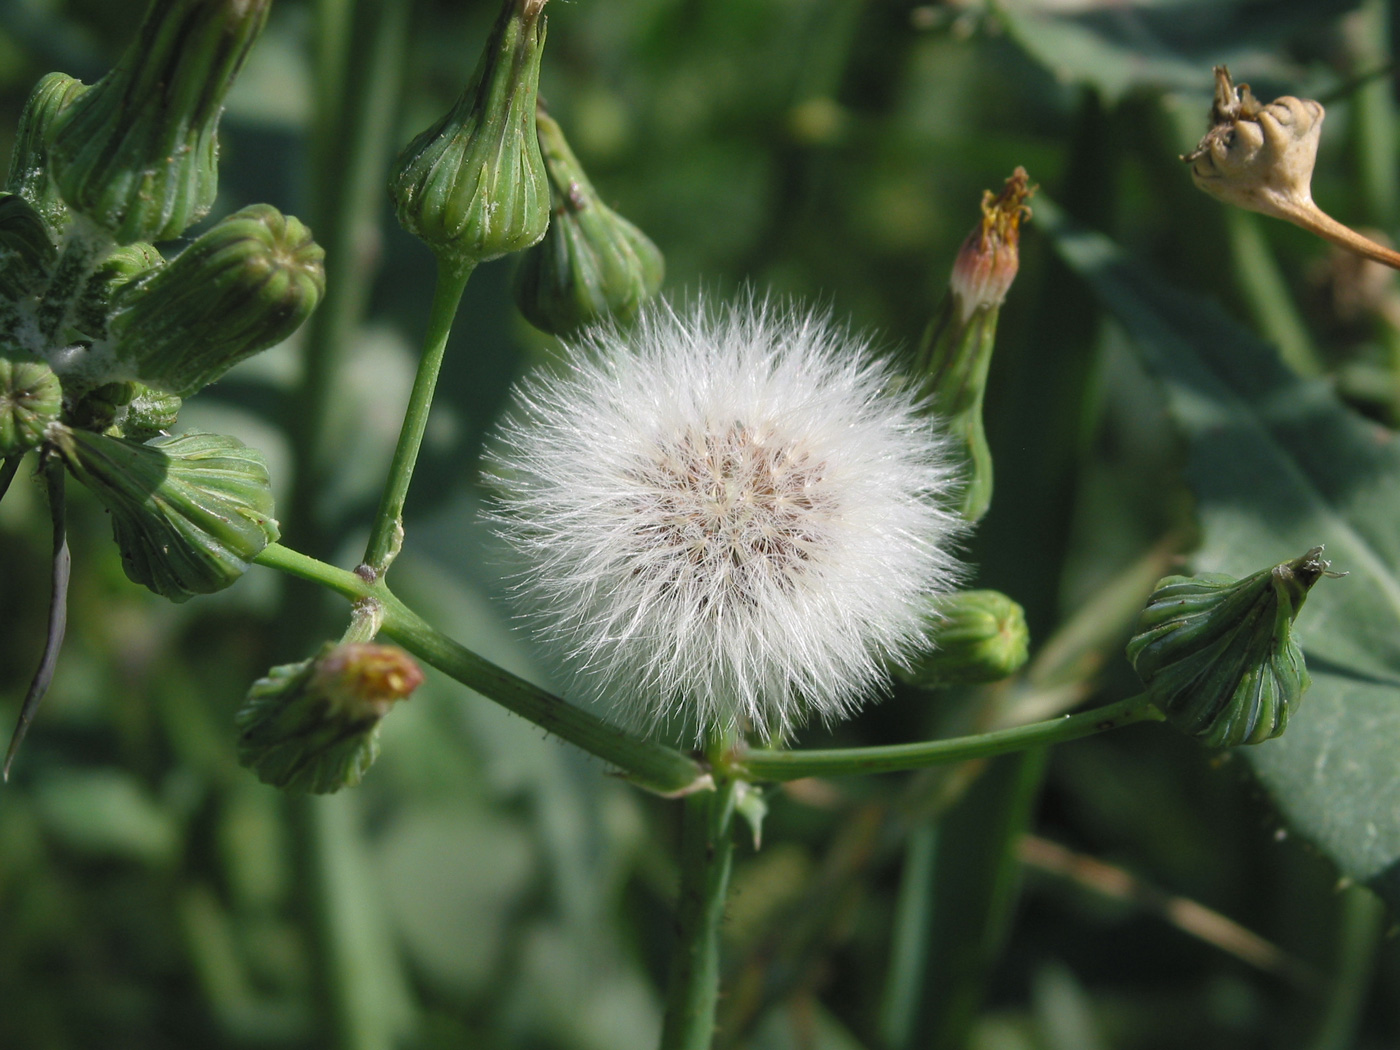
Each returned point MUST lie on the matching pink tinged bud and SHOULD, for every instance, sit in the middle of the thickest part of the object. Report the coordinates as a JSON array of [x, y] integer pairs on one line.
[[991, 255], [367, 678]]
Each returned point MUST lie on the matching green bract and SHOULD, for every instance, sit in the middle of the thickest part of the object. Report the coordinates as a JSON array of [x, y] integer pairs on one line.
[[29, 164], [123, 265], [30, 399], [189, 513], [593, 264], [137, 153], [241, 287], [1217, 654], [313, 726], [978, 636], [27, 253], [474, 186]]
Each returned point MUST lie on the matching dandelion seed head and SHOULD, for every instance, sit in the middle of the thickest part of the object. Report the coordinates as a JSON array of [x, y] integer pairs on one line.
[[731, 518]]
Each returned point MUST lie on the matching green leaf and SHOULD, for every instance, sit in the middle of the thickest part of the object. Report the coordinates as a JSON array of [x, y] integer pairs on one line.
[[1277, 463]]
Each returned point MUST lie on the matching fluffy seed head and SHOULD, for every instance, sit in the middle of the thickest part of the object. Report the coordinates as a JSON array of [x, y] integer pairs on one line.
[[729, 517]]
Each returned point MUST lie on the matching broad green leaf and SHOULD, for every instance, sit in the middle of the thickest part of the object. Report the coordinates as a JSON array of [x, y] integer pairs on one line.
[[1278, 464]]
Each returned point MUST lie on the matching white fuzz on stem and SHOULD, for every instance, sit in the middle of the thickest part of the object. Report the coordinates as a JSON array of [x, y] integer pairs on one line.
[[731, 516]]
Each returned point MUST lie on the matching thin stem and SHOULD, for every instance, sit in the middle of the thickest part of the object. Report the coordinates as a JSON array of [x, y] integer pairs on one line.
[[792, 765], [650, 765], [707, 856], [387, 531], [58, 609], [1315, 220]]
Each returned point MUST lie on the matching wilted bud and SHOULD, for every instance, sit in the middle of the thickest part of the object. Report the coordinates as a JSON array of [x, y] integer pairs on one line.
[[593, 264], [27, 253], [117, 269], [138, 152], [313, 726], [473, 186], [951, 366], [189, 513], [1217, 654], [1261, 158], [978, 636], [241, 287], [29, 163], [30, 399]]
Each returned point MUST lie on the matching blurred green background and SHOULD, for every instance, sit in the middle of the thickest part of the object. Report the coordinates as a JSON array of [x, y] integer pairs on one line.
[[488, 887]]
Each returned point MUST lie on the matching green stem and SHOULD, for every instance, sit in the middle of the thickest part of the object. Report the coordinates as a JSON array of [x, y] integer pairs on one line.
[[707, 855], [650, 765], [387, 531], [792, 765]]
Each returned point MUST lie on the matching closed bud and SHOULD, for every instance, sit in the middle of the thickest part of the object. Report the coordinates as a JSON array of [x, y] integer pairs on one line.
[[241, 287], [189, 513], [27, 253], [950, 368], [977, 636], [473, 186], [117, 269], [30, 399], [149, 414], [314, 726], [29, 163], [138, 152], [593, 265], [1217, 654], [97, 408]]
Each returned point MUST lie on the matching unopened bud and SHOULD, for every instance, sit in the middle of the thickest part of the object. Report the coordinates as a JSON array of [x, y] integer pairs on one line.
[[138, 152], [978, 636], [27, 254], [117, 269], [473, 186], [29, 163], [241, 287], [1261, 158], [950, 368], [313, 726], [593, 265], [1217, 654], [30, 399], [189, 513], [149, 414]]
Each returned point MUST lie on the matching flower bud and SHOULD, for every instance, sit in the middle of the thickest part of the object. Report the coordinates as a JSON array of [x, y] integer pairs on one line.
[[30, 399], [29, 163], [138, 152], [1217, 654], [474, 186], [241, 287], [951, 365], [314, 726], [99, 407], [978, 636], [119, 268], [593, 265], [189, 513], [149, 414], [27, 254]]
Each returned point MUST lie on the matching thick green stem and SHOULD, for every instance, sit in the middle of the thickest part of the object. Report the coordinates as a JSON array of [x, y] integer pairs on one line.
[[791, 765], [387, 531], [707, 855], [650, 765]]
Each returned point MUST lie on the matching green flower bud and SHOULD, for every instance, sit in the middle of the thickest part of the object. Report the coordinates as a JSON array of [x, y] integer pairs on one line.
[[1217, 654], [978, 636], [241, 287], [474, 186], [189, 513], [950, 368], [593, 264], [30, 399], [101, 406], [138, 152], [27, 253], [119, 268], [149, 414], [314, 726], [29, 164]]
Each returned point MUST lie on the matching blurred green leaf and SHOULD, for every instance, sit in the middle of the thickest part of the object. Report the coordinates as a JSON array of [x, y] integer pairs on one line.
[[1278, 464], [106, 813]]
